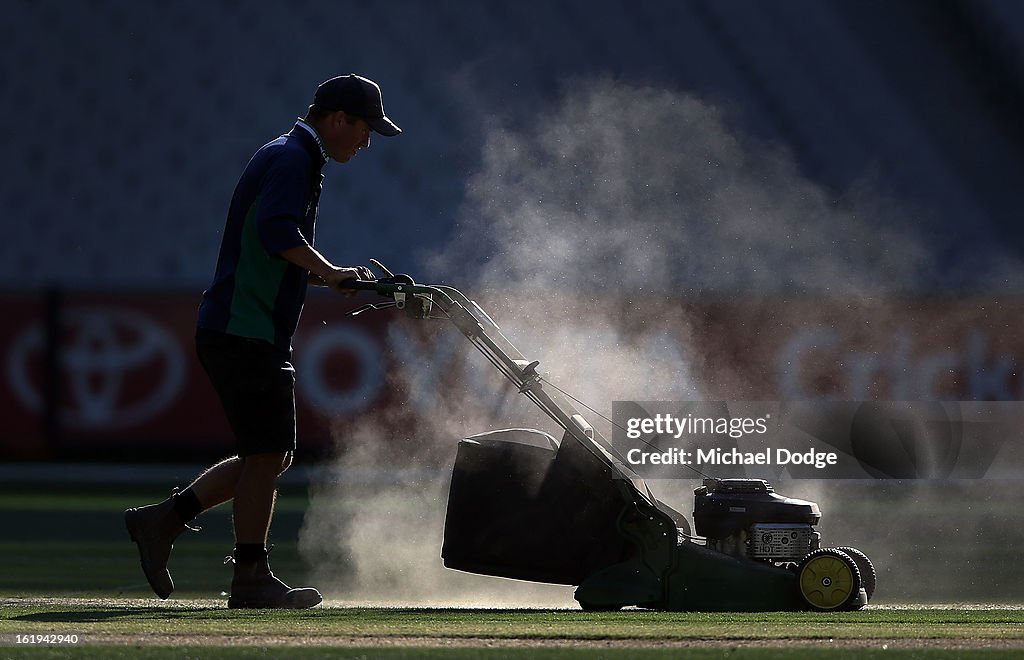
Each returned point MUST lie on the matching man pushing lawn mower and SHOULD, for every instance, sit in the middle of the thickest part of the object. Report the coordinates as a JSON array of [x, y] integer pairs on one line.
[[243, 339]]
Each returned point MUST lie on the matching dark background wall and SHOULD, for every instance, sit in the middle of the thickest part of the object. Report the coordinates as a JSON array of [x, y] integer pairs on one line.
[[127, 123]]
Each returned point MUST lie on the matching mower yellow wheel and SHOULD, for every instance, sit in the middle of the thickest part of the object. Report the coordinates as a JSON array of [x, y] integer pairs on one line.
[[828, 579]]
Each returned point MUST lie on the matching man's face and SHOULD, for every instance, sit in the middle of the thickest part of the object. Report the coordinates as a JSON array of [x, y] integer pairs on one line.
[[343, 139]]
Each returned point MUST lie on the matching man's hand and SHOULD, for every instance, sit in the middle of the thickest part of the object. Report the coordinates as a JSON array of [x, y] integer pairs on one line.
[[322, 272], [335, 277]]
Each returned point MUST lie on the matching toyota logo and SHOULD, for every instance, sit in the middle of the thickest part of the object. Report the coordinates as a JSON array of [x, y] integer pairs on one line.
[[118, 368]]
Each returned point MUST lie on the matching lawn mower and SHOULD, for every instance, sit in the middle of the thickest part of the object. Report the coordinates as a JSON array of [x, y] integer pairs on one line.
[[527, 506]]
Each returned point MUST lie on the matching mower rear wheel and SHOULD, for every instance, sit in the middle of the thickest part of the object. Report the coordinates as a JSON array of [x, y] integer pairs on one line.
[[828, 580], [867, 570]]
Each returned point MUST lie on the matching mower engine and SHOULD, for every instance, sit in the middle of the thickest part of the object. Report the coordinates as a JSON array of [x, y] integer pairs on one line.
[[746, 518]]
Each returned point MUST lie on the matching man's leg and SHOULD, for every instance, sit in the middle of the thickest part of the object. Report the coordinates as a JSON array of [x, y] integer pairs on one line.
[[254, 585], [255, 491], [217, 484], [155, 527], [256, 386]]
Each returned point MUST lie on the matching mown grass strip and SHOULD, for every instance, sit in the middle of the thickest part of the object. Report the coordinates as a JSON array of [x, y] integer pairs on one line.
[[472, 653], [517, 624]]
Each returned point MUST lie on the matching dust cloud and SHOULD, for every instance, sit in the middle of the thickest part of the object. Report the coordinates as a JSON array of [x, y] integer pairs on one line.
[[577, 231]]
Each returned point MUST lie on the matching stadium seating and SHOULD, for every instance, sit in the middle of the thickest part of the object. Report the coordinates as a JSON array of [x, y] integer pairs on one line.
[[127, 123]]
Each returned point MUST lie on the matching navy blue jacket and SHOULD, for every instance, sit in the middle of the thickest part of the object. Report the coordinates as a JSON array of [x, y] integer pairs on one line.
[[255, 292]]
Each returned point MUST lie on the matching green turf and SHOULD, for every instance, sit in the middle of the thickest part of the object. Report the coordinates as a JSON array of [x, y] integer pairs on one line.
[[871, 624], [72, 542], [354, 653], [390, 632]]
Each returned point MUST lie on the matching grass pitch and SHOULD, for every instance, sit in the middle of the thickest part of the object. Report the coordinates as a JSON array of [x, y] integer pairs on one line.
[[203, 629], [69, 569]]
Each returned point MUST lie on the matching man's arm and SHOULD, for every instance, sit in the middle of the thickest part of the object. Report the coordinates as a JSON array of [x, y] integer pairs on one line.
[[319, 268]]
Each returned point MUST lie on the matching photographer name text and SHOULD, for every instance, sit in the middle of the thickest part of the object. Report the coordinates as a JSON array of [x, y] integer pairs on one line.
[[716, 456]]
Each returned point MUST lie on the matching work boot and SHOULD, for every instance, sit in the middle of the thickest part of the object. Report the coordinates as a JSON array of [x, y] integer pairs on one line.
[[255, 586], [154, 528]]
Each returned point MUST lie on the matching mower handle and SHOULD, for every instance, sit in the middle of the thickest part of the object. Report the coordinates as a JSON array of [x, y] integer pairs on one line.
[[387, 286], [519, 371], [359, 285], [402, 289]]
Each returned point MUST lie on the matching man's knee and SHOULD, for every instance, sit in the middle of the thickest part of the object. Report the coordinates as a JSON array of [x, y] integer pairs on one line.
[[274, 463], [286, 463]]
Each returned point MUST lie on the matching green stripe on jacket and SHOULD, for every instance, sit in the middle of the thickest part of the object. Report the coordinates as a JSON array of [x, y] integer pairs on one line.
[[258, 279]]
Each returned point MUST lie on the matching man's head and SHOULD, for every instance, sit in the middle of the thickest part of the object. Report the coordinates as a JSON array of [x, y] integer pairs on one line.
[[344, 111]]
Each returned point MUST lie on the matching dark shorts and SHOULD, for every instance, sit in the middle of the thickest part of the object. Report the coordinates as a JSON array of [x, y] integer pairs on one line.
[[256, 385]]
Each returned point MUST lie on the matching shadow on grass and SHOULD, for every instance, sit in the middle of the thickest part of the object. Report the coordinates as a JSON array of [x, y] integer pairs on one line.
[[93, 614], [113, 614]]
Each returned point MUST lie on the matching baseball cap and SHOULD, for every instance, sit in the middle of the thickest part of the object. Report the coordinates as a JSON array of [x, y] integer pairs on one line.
[[357, 96]]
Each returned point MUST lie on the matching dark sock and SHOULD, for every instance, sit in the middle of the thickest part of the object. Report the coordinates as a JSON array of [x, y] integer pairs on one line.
[[187, 505], [250, 551]]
